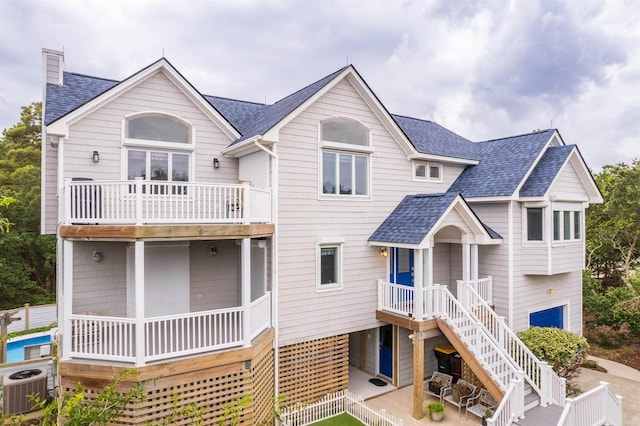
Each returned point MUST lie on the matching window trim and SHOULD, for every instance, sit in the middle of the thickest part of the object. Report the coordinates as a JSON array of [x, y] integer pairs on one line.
[[427, 165], [542, 224], [337, 243], [339, 148], [149, 146]]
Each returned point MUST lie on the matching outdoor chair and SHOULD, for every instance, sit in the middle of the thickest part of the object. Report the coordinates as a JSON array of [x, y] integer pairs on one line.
[[455, 395], [480, 403], [433, 386]]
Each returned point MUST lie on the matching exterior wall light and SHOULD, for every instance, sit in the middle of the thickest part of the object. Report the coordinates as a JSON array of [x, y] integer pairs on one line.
[[216, 163], [96, 156], [213, 251], [97, 256], [384, 252]]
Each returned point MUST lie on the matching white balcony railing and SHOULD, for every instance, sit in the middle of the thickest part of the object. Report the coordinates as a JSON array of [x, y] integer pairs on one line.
[[113, 338], [140, 202]]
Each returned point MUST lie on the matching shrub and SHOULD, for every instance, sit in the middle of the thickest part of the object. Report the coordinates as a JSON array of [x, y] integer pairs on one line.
[[563, 350]]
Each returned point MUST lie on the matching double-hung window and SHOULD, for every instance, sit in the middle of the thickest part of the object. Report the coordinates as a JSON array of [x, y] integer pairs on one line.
[[329, 275], [535, 224], [345, 148], [158, 148]]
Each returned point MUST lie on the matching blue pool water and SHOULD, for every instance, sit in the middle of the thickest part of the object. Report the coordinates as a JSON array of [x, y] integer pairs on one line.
[[15, 348]]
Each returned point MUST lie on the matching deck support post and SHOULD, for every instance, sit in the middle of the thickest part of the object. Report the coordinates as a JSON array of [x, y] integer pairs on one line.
[[67, 297], [245, 254], [418, 375], [139, 302]]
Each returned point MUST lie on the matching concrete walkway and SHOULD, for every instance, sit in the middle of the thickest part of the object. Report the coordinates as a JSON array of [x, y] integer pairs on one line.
[[623, 381]]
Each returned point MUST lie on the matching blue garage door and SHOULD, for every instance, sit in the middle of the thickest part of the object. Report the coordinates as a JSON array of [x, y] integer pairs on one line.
[[553, 317]]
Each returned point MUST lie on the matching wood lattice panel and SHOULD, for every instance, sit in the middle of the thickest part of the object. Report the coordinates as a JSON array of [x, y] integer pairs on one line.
[[210, 382], [310, 370]]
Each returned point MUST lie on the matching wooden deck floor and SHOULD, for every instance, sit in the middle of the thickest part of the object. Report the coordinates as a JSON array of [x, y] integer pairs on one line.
[[539, 416]]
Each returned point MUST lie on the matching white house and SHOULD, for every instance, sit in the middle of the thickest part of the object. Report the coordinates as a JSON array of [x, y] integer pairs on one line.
[[236, 248]]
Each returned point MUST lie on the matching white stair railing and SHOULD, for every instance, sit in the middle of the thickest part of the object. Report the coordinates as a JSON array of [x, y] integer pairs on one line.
[[476, 338], [595, 407], [550, 387], [512, 403]]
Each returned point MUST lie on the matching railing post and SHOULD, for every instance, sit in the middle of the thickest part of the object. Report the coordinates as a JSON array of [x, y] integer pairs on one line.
[[380, 295], [489, 294], [138, 185], [246, 203], [500, 333], [546, 384], [66, 189]]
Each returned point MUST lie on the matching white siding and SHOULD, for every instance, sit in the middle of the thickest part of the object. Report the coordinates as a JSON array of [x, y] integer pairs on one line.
[[567, 257], [536, 258], [50, 201], [568, 186], [493, 259], [304, 218], [254, 168], [103, 130]]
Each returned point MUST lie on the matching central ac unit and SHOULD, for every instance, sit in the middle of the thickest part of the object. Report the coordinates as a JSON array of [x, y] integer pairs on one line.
[[17, 388]]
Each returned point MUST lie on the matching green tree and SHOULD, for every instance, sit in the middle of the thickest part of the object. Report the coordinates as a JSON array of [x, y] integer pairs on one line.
[[27, 259], [613, 227]]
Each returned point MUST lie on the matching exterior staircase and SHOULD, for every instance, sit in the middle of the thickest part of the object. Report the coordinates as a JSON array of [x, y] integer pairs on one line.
[[530, 392], [528, 389]]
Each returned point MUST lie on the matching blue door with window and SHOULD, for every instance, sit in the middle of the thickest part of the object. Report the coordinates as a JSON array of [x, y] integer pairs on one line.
[[386, 351], [401, 266], [553, 317]]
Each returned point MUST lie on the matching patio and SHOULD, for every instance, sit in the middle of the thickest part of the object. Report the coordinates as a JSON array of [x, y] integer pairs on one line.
[[398, 403]]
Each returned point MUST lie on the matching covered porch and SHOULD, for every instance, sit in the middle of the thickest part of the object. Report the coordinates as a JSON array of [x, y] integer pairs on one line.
[[144, 301]]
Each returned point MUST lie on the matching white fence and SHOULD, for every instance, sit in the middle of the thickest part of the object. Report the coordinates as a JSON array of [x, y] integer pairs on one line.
[[335, 404], [33, 317]]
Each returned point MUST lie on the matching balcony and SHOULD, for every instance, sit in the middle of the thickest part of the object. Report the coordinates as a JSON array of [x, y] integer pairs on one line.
[[404, 300], [141, 202], [117, 339]]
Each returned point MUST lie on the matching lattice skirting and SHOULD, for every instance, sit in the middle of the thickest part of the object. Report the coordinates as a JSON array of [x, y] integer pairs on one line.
[[310, 370], [210, 381]]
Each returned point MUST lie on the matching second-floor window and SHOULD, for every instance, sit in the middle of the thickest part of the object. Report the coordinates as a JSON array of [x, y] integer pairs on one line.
[[427, 171], [158, 147], [567, 225], [345, 150], [535, 220]]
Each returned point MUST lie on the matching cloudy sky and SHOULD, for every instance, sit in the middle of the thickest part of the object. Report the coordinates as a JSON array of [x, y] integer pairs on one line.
[[484, 69]]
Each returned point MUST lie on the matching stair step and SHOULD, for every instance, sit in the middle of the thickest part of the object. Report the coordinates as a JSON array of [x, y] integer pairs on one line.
[[531, 400], [539, 416]]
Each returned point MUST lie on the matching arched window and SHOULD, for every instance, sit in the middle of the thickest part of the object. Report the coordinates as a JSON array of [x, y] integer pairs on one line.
[[159, 147], [344, 130], [160, 128]]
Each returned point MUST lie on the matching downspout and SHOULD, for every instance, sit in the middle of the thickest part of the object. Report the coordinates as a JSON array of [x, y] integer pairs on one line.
[[510, 263], [274, 256]]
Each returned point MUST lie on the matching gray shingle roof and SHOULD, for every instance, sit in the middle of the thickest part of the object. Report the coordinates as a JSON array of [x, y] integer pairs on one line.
[[77, 90], [414, 217], [241, 114], [431, 138], [546, 170], [273, 114], [503, 164]]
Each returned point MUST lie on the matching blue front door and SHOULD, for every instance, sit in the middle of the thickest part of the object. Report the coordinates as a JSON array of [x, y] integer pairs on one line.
[[386, 351], [553, 317], [401, 266]]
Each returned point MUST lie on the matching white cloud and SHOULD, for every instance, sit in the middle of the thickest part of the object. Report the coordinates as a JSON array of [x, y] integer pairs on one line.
[[484, 69]]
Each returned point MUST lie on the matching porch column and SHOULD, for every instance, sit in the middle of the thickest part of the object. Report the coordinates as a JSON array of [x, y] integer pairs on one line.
[[245, 277], [418, 375], [67, 297], [474, 262], [418, 283], [466, 262], [139, 301], [429, 282]]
